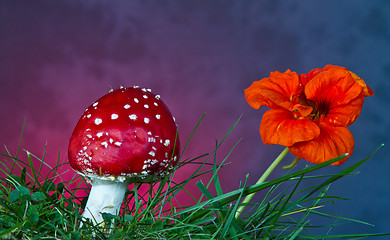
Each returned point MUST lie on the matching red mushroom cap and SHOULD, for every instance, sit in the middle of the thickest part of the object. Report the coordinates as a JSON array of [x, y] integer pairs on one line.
[[127, 133]]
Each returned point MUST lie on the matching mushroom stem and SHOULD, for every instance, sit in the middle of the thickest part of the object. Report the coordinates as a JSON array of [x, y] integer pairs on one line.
[[105, 196]]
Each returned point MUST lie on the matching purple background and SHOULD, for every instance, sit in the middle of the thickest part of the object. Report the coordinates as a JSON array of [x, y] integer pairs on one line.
[[57, 57]]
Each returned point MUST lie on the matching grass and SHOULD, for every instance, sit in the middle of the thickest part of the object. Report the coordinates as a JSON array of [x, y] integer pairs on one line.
[[37, 206]]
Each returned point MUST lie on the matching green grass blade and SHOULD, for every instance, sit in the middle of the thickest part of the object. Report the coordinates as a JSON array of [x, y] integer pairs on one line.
[[231, 218], [347, 236]]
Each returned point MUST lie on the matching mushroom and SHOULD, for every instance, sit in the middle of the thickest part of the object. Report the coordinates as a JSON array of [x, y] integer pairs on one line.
[[127, 136]]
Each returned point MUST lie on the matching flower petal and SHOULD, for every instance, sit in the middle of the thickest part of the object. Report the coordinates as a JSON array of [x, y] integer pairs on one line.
[[330, 66], [344, 115], [337, 95], [313, 73], [279, 126], [276, 91], [303, 110], [332, 142], [304, 78], [366, 89]]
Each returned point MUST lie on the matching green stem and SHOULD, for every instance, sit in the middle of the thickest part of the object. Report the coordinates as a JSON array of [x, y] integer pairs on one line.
[[261, 180], [293, 164]]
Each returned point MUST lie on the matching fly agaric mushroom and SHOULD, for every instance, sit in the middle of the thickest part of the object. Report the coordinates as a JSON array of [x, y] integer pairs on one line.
[[127, 136]]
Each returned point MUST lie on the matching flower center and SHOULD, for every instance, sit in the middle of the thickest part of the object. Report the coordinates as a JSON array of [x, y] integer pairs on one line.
[[320, 109]]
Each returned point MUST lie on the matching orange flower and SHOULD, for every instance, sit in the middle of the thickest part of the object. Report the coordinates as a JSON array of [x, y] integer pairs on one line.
[[310, 112]]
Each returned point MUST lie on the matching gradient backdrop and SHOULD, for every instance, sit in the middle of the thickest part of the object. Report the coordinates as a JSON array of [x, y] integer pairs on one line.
[[57, 57]]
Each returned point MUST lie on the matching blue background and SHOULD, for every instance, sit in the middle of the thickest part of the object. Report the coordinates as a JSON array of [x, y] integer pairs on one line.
[[57, 57]]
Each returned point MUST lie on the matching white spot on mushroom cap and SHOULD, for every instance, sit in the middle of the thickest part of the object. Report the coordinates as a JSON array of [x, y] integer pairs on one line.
[[155, 104], [157, 97], [99, 134], [114, 116], [158, 116], [136, 100], [118, 144], [146, 106], [98, 121], [154, 161], [121, 178], [146, 120], [133, 117], [127, 106], [89, 115], [146, 97], [95, 104], [105, 144], [167, 142], [152, 153]]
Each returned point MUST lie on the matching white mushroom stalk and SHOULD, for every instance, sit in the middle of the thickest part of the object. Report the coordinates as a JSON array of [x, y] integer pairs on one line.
[[106, 196], [128, 135]]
